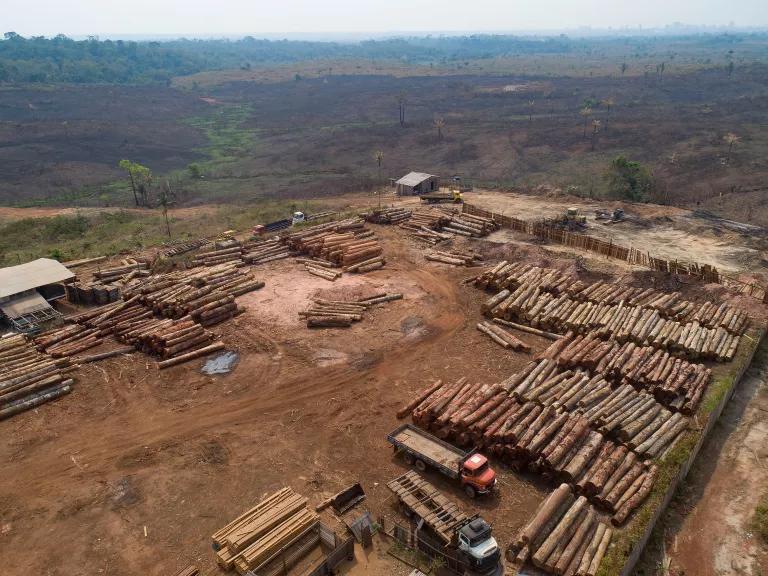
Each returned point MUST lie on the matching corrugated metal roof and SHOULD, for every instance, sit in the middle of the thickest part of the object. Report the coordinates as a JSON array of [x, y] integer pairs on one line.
[[23, 277], [414, 178], [24, 305]]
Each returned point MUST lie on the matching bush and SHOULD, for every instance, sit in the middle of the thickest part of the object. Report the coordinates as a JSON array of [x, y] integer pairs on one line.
[[628, 180], [760, 520]]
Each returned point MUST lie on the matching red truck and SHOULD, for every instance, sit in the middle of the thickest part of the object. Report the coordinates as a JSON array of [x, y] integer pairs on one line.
[[422, 449]]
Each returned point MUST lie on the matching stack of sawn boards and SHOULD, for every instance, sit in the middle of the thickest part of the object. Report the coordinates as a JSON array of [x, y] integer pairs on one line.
[[28, 378], [571, 447], [254, 537]]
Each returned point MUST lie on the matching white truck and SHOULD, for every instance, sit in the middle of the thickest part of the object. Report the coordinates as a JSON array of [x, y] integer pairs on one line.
[[471, 536]]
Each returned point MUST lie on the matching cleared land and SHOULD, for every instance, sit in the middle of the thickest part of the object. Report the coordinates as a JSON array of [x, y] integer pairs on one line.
[[180, 452]]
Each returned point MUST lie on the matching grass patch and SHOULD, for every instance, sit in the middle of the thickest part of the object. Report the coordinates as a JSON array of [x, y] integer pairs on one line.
[[89, 234], [760, 519], [227, 140]]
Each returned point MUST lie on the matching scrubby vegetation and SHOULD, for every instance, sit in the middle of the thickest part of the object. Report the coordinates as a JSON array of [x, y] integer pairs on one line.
[[760, 519]]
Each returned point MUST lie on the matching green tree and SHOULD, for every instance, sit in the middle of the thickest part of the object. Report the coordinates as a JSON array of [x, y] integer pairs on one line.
[[195, 171], [379, 157], [141, 178], [166, 199], [628, 180]]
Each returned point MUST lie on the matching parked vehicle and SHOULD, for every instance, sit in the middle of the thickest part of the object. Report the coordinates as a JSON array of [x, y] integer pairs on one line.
[[471, 536], [421, 449]]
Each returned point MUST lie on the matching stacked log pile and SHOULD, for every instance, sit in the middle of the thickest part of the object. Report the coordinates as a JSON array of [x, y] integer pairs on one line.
[[219, 256], [107, 319], [28, 378], [470, 225], [455, 258], [502, 337], [565, 536], [124, 273], [184, 247], [347, 243], [68, 341], [625, 415], [676, 383], [669, 306], [266, 251], [165, 338], [341, 313], [424, 226], [254, 537], [542, 437], [388, 215]]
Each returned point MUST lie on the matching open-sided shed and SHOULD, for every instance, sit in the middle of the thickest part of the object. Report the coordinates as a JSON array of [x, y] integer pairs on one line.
[[417, 183]]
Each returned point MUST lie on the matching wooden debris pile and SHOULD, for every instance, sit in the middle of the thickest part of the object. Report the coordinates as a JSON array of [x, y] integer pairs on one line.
[[265, 251], [543, 437], [454, 257], [565, 536], [341, 313], [387, 215], [254, 537], [28, 378]]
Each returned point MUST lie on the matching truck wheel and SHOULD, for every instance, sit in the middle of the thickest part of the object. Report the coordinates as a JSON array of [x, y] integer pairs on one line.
[[470, 491], [408, 458], [420, 466]]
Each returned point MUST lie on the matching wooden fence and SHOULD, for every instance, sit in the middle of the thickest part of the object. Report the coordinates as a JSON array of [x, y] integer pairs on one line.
[[547, 229]]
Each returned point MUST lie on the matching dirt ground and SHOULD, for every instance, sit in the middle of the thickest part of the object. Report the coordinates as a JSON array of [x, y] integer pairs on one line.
[[181, 453]]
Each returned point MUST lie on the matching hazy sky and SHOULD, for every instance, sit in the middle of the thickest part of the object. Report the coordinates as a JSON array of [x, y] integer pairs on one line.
[[212, 17]]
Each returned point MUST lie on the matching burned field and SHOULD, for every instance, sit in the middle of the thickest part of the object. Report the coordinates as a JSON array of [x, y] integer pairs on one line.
[[136, 468]]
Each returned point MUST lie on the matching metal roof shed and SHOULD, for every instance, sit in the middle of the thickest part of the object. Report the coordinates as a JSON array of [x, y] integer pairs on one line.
[[417, 183], [41, 272]]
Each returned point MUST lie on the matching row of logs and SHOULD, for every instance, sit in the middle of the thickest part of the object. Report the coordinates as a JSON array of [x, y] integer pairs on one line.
[[502, 337], [470, 225], [675, 382], [266, 251], [165, 338], [343, 243], [424, 226], [69, 340], [218, 256], [622, 414], [107, 275], [341, 313], [565, 536], [454, 257], [530, 304], [29, 378], [511, 276], [543, 438], [184, 247], [388, 215]]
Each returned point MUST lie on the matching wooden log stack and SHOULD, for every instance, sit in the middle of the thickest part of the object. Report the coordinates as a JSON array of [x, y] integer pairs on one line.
[[117, 273], [425, 226], [454, 257], [565, 537], [253, 538], [265, 251], [502, 337], [184, 247], [344, 243], [388, 215], [29, 378], [69, 340], [165, 338], [219, 256], [341, 313], [470, 225], [545, 437]]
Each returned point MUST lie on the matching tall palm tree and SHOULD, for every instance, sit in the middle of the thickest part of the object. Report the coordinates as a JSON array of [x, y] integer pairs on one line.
[[585, 112], [530, 110], [608, 103], [439, 124], [401, 106], [730, 139], [379, 157]]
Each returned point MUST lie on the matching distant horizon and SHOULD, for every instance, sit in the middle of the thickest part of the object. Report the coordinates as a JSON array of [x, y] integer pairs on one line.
[[672, 29], [362, 19]]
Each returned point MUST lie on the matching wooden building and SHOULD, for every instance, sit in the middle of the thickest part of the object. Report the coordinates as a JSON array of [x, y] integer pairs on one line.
[[415, 183]]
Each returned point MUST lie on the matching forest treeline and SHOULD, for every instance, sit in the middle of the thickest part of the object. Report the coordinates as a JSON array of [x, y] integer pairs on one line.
[[62, 59]]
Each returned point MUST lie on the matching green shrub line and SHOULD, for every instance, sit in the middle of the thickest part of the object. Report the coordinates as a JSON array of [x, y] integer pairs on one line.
[[626, 538], [760, 519]]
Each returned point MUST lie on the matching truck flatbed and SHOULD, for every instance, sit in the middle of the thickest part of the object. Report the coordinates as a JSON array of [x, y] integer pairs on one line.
[[440, 513], [421, 442]]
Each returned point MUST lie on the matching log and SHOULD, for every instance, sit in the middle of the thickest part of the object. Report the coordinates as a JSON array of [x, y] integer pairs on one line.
[[421, 397], [215, 347], [545, 511]]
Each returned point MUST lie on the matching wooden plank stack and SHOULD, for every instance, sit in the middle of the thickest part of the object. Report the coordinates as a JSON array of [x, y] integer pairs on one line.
[[387, 215], [341, 313], [254, 537], [28, 378], [565, 537], [454, 257]]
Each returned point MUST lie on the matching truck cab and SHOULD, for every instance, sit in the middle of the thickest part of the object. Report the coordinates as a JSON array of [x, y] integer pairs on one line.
[[479, 547], [298, 218], [477, 476]]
